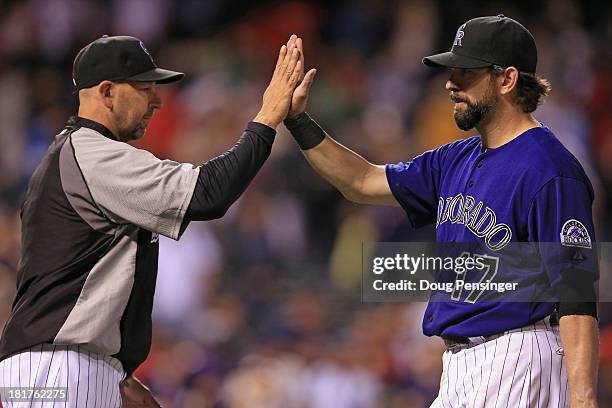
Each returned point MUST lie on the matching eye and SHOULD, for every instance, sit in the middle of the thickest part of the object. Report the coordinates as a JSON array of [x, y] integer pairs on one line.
[[148, 91]]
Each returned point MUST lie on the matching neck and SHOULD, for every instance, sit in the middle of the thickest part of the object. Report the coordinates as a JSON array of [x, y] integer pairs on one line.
[[505, 126]]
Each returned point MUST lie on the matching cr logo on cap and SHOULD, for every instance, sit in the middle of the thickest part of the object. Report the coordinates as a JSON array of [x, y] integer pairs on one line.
[[144, 48], [459, 36]]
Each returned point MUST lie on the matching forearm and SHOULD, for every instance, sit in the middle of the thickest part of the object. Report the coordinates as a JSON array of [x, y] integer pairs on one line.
[[356, 178], [223, 179], [341, 167], [579, 335]]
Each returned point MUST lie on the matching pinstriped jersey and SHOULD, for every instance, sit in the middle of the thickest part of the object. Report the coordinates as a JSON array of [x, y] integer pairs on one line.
[[90, 222], [530, 190]]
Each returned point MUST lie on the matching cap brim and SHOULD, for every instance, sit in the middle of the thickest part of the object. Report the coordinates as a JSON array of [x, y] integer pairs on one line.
[[158, 75], [451, 60]]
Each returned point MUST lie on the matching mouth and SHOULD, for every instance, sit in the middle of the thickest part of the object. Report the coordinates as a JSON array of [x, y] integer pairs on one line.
[[457, 99], [460, 106], [145, 121]]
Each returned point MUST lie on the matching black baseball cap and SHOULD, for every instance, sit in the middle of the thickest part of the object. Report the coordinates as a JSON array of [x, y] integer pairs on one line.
[[492, 40], [120, 58]]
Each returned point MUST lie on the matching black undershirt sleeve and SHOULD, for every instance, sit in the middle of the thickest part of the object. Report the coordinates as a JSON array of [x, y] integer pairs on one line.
[[578, 308], [577, 295], [223, 179]]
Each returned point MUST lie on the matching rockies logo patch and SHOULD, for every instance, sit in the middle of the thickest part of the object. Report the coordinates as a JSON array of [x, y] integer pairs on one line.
[[574, 233]]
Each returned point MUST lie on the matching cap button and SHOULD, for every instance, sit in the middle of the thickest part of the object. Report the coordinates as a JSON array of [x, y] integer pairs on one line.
[[105, 36], [501, 16]]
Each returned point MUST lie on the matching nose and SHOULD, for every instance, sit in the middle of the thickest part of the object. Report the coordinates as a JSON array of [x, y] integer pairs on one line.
[[451, 85], [451, 82]]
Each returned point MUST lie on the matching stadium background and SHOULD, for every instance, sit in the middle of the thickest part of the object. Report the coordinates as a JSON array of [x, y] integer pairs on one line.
[[262, 308]]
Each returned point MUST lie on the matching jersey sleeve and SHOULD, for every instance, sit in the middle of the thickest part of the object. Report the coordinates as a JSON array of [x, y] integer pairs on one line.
[[415, 185], [131, 185], [560, 221]]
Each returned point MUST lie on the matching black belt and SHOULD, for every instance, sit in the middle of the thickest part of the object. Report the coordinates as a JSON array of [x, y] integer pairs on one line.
[[455, 341]]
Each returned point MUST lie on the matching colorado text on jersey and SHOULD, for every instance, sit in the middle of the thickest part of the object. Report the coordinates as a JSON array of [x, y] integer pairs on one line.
[[460, 210]]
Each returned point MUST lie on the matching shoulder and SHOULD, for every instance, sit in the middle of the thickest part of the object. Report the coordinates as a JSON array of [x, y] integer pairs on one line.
[[89, 138], [548, 159], [551, 158], [94, 149], [461, 145], [453, 150]]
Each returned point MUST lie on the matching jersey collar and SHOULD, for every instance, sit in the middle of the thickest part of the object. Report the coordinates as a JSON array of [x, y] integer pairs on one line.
[[518, 139], [78, 122]]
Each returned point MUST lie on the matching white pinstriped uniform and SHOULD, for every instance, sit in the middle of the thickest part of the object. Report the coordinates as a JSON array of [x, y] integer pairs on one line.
[[92, 379], [521, 368]]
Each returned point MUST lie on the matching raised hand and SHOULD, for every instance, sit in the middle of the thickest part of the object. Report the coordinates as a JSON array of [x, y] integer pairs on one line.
[[300, 95], [278, 94]]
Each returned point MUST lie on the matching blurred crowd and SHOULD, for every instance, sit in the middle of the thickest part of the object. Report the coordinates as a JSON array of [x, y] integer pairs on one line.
[[262, 308]]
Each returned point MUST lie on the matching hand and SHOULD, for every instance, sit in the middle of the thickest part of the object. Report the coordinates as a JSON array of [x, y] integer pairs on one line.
[[135, 394], [277, 97], [300, 95]]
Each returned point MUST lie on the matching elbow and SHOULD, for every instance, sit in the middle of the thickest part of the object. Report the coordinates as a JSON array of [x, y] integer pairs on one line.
[[209, 213], [357, 190], [217, 212], [352, 194]]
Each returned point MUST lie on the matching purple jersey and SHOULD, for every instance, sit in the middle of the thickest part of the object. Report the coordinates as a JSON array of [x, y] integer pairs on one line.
[[532, 189]]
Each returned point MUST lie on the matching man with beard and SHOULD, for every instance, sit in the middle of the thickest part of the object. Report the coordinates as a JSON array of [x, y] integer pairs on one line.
[[515, 183], [81, 319]]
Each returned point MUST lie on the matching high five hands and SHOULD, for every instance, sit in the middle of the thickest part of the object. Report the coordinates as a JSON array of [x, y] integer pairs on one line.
[[301, 92], [287, 93]]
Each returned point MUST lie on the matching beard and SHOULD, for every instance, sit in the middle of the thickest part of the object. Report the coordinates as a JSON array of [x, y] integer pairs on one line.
[[128, 132], [476, 112], [129, 135], [140, 130]]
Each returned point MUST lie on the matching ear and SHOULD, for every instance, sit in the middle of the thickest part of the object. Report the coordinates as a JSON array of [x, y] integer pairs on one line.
[[106, 91], [509, 80]]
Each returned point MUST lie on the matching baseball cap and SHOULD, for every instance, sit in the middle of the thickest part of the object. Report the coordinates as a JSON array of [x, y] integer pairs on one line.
[[119, 58], [492, 40]]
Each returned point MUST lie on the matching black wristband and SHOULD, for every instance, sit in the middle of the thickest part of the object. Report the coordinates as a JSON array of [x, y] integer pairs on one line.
[[306, 132]]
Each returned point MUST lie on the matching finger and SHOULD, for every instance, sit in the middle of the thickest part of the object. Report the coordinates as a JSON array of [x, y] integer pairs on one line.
[[295, 76], [300, 47], [309, 78], [290, 47], [304, 87], [293, 60], [286, 65], [291, 40], [281, 58]]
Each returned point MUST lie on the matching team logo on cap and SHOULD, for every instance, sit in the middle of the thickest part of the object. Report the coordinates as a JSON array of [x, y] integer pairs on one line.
[[459, 36], [575, 234], [144, 49]]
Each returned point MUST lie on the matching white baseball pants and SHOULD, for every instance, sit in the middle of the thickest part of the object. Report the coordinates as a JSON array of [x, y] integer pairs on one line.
[[521, 368], [92, 379]]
